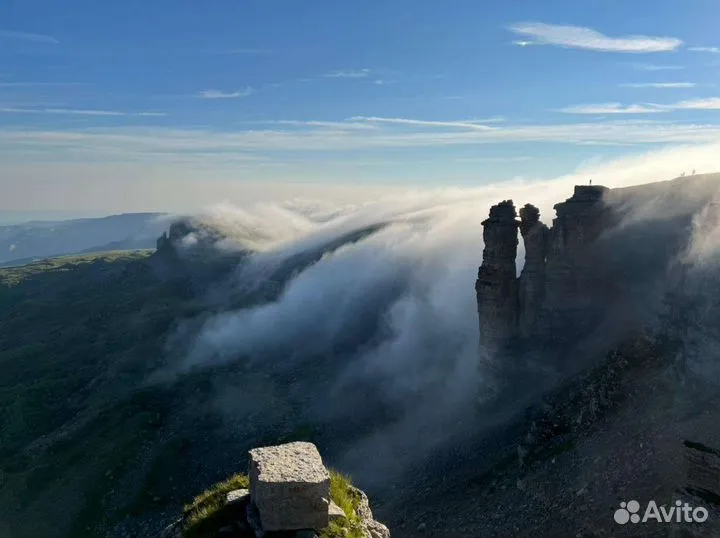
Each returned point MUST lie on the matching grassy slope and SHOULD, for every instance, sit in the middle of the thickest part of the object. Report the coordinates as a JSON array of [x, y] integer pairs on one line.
[[84, 442], [76, 336], [206, 513]]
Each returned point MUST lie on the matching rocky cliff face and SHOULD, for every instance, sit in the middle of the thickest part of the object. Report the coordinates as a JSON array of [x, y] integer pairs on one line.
[[532, 280], [603, 246], [572, 263], [558, 295], [188, 234], [497, 286]]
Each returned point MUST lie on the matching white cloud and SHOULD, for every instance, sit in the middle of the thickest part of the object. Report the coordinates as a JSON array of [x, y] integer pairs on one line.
[[219, 94], [83, 112], [668, 85], [578, 37], [468, 124], [79, 112], [520, 43], [362, 73], [158, 145], [169, 186], [345, 125], [610, 108], [510, 159], [655, 67], [712, 50], [712, 103], [27, 36]]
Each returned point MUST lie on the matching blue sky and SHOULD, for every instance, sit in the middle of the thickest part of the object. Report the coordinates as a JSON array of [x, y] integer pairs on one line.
[[101, 96]]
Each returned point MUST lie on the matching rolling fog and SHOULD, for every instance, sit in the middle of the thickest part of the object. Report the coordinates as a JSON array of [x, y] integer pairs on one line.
[[395, 309]]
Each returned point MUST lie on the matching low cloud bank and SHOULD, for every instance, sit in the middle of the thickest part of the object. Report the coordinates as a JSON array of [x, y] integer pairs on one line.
[[395, 309]]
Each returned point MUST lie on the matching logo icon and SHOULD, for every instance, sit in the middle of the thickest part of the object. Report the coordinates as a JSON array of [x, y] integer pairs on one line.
[[628, 511]]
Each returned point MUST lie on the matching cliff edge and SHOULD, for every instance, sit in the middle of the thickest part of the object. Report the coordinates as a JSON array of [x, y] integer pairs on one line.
[[287, 493], [608, 256]]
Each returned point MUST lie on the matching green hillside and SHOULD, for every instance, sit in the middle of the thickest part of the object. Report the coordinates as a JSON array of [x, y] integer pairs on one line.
[[77, 336]]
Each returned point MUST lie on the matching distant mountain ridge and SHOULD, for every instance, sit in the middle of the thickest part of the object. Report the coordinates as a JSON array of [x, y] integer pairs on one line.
[[29, 241]]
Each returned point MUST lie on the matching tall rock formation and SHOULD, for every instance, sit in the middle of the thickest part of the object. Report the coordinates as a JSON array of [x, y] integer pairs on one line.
[[554, 297], [573, 275], [188, 236], [496, 286], [532, 280]]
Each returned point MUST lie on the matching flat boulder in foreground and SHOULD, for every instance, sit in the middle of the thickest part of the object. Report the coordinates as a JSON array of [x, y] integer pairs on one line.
[[290, 487]]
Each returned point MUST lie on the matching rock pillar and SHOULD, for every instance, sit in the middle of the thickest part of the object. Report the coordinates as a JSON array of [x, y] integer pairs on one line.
[[532, 280], [496, 286]]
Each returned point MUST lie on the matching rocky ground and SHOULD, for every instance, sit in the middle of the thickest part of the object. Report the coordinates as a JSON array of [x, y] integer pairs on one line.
[[633, 451]]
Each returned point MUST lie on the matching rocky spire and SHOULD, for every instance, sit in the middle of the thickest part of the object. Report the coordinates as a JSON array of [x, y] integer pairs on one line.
[[496, 286], [532, 281], [570, 287]]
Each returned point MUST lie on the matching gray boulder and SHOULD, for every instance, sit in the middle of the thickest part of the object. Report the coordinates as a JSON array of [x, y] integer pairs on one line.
[[375, 529], [290, 487]]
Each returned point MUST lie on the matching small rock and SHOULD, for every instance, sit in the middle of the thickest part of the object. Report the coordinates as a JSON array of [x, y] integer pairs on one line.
[[422, 527], [237, 496], [363, 511], [335, 512], [378, 530]]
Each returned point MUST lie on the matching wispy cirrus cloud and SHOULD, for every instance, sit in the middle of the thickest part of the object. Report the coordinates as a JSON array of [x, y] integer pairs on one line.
[[165, 145], [344, 125], [28, 37], [509, 159], [466, 124], [220, 94], [350, 73], [712, 50], [666, 85], [712, 103], [77, 112], [578, 37], [155, 144], [658, 67], [610, 108]]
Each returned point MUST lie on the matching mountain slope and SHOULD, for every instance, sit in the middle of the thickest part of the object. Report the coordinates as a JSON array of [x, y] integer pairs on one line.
[[130, 381], [41, 239]]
